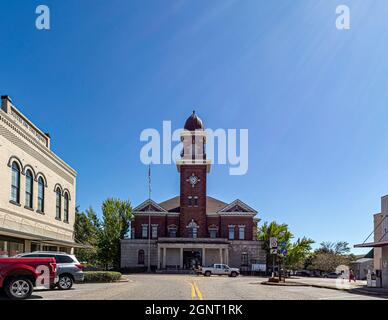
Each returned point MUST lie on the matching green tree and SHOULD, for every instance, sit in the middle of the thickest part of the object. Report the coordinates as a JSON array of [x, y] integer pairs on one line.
[[116, 216], [87, 231], [297, 253], [330, 255]]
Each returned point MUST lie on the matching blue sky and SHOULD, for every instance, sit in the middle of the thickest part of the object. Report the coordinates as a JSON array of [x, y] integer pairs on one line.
[[313, 98]]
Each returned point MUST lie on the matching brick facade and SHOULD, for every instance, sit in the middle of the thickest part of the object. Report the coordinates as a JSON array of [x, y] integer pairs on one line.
[[201, 224]]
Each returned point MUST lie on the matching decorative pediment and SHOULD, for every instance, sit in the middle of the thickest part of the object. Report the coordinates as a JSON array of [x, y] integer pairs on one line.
[[236, 207], [192, 224], [149, 206]]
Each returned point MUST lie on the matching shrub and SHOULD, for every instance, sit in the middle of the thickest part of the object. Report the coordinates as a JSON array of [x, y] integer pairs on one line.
[[101, 276]]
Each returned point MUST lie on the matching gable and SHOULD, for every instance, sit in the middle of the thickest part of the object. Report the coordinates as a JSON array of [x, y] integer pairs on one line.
[[237, 206], [149, 206]]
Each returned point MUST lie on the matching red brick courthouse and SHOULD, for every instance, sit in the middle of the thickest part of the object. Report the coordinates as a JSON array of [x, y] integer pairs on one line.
[[193, 229]]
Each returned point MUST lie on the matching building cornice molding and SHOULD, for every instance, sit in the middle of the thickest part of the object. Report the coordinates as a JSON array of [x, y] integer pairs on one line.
[[30, 139], [35, 220]]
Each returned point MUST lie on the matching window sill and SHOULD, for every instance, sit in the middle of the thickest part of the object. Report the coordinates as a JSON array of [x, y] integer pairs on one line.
[[29, 208], [15, 203], [59, 219], [64, 221], [40, 212]]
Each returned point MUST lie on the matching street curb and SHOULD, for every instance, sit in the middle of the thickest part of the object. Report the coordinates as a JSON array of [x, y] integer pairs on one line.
[[350, 290], [301, 284], [363, 291]]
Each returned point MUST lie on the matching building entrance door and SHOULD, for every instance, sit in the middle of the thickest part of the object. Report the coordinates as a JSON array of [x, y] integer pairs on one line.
[[192, 259]]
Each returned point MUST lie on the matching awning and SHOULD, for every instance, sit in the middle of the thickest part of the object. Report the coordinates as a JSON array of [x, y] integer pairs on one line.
[[372, 244], [37, 238]]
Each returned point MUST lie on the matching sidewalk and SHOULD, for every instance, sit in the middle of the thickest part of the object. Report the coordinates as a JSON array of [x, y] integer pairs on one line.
[[358, 287]]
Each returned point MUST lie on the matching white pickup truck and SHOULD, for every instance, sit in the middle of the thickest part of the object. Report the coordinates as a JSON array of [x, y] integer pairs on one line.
[[219, 269]]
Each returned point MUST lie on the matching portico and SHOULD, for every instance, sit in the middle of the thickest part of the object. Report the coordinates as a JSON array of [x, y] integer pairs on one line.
[[186, 253]]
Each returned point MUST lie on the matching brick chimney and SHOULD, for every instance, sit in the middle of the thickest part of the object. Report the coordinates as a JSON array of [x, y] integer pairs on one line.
[[6, 103]]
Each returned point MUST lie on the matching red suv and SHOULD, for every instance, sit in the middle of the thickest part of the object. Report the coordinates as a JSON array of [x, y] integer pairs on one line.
[[19, 276]]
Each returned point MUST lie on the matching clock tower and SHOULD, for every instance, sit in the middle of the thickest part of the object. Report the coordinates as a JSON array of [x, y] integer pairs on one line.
[[193, 168]]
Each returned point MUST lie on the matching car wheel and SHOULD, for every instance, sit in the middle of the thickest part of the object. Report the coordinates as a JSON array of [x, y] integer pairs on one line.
[[208, 274], [65, 282], [19, 288], [234, 274]]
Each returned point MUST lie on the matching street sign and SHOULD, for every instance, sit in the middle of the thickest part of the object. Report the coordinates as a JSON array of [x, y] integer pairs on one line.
[[273, 243], [274, 251]]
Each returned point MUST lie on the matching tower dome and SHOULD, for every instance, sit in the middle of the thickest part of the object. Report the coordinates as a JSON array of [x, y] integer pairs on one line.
[[193, 123]]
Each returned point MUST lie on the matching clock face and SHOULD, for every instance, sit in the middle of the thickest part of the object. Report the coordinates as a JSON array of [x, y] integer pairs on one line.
[[193, 179]]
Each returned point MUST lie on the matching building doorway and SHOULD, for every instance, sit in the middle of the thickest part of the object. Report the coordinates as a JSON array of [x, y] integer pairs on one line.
[[192, 259]]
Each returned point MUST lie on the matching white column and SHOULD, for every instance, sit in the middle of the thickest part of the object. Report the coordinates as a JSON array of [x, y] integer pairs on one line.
[[221, 255], [227, 256], [164, 257], [181, 258]]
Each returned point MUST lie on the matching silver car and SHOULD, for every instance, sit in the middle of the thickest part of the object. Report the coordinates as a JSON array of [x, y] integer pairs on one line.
[[69, 270]]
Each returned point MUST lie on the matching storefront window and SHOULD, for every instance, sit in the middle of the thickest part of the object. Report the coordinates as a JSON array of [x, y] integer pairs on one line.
[[3, 249], [14, 248]]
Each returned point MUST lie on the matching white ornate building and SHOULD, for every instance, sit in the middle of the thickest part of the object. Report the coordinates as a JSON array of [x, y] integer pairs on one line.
[[37, 188]]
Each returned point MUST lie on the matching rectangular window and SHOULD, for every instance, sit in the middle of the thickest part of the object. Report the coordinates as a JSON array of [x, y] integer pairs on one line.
[[244, 259], [58, 204], [193, 232], [28, 191], [144, 231], [15, 185], [190, 201], [172, 233], [40, 195], [213, 233], [154, 232], [231, 232], [66, 210], [241, 232], [195, 201]]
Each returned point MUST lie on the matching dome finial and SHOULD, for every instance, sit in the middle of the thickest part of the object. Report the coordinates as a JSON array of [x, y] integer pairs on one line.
[[193, 122]]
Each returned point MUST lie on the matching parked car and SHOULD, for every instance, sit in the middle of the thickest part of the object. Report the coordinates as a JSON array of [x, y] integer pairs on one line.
[[303, 273], [219, 269], [69, 270], [332, 275], [18, 276]]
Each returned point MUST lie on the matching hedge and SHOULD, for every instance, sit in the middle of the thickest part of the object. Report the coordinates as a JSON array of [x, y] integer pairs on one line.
[[101, 276]]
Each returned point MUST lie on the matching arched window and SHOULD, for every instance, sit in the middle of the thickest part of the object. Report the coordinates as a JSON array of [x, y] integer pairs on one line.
[[192, 229], [58, 204], [40, 194], [66, 208], [29, 189], [140, 257], [15, 186]]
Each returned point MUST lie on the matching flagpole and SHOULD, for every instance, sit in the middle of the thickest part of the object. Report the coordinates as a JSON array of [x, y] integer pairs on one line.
[[149, 220]]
